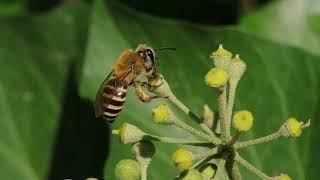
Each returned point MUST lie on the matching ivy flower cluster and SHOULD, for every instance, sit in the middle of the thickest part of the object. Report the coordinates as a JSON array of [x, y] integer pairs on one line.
[[215, 134]]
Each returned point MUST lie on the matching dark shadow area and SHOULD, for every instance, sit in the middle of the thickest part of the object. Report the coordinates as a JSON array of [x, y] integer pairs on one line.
[[212, 12], [216, 12], [81, 145], [42, 5]]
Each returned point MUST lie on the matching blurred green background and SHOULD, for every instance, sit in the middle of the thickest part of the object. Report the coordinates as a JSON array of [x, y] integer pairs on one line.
[[55, 53]]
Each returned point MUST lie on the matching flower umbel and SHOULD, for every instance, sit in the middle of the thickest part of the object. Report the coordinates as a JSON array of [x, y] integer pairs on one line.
[[219, 146]]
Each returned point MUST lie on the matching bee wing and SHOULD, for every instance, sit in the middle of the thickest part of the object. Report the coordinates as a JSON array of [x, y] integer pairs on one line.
[[112, 81]]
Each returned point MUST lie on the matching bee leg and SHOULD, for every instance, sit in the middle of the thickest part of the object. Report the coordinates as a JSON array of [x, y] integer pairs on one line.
[[149, 86], [143, 96]]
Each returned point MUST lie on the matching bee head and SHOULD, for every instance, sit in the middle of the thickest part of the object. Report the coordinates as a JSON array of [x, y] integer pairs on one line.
[[147, 55]]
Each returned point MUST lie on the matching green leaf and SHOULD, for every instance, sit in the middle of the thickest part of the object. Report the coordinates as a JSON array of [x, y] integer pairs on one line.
[[287, 22], [12, 8], [35, 53], [280, 82]]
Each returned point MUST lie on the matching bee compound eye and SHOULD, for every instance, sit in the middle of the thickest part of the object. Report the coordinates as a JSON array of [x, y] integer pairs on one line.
[[150, 55], [149, 51]]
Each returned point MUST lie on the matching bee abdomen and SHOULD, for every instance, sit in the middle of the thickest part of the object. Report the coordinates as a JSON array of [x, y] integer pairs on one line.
[[113, 104]]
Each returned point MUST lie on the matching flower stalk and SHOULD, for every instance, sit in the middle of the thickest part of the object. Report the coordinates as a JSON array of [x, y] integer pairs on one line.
[[232, 92], [222, 102], [220, 169], [143, 152], [212, 139], [159, 86], [204, 154], [251, 168], [260, 140], [178, 141]]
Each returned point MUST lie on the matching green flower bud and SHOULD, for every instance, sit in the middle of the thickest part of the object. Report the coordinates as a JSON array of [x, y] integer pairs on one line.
[[293, 128], [129, 133], [242, 120], [208, 116], [127, 169], [216, 77], [221, 58], [221, 52], [161, 114], [182, 158], [237, 68]]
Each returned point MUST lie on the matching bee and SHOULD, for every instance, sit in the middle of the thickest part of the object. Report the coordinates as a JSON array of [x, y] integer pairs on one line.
[[126, 72]]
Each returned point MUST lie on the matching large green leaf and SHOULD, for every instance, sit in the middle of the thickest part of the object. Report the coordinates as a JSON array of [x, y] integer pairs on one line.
[[35, 54], [12, 7], [287, 21], [280, 82]]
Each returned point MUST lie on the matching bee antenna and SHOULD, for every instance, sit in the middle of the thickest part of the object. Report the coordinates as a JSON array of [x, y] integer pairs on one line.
[[164, 48]]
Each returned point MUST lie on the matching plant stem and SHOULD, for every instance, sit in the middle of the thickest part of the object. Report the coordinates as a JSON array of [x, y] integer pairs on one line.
[[222, 102], [232, 92], [221, 165], [187, 111], [204, 154], [233, 170], [159, 86], [207, 129], [236, 175], [177, 140], [200, 162], [143, 171], [186, 127], [183, 107], [251, 168], [260, 140], [234, 139]]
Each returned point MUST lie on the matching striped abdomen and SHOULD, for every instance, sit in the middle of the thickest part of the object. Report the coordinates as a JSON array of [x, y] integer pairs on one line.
[[113, 98]]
